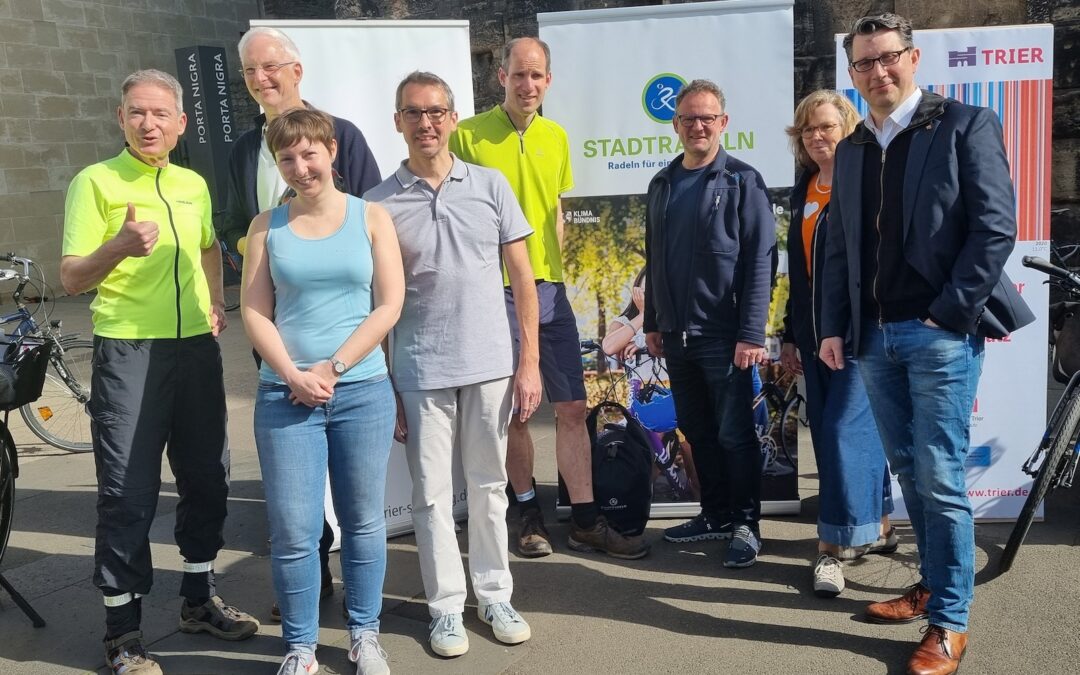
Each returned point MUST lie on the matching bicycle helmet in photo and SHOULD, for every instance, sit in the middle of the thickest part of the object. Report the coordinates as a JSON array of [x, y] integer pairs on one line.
[[654, 407]]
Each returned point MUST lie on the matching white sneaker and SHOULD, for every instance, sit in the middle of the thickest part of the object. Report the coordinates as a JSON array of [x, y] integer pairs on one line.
[[447, 637], [297, 663], [508, 625], [828, 576], [368, 655]]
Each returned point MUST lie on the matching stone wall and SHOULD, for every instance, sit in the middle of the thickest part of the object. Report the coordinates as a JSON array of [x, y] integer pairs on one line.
[[61, 65]]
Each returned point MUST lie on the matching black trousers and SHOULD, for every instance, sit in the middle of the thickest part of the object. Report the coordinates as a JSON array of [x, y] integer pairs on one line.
[[148, 396]]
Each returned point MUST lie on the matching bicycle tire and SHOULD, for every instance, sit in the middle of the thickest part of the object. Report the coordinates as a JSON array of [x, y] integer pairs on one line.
[[790, 420], [7, 488], [232, 297], [1051, 467], [59, 415]]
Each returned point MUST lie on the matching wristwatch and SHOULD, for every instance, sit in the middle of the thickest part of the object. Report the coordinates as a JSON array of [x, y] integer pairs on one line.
[[339, 366]]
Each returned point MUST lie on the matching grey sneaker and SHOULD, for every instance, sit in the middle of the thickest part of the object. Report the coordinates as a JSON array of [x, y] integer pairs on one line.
[[508, 625], [126, 655], [447, 637], [368, 655], [886, 543], [743, 549], [218, 619], [298, 663], [828, 576]]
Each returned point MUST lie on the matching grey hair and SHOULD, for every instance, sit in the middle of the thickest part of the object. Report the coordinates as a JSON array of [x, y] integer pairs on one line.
[[509, 47], [157, 78], [283, 40], [424, 78], [701, 87], [868, 25]]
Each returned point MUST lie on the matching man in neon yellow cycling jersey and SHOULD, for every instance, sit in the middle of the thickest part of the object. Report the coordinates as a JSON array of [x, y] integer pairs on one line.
[[138, 230]]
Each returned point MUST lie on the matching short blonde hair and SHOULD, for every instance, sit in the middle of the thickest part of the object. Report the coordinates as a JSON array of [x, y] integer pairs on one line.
[[849, 117], [297, 125]]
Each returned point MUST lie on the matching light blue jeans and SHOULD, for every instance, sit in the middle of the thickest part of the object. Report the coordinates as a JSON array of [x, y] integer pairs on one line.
[[351, 435], [921, 382]]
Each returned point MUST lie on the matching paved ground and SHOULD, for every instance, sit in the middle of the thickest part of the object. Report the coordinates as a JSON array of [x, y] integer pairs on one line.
[[677, 611]]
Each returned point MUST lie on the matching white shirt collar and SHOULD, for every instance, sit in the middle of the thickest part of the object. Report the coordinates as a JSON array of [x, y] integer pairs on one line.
[[897, 121]]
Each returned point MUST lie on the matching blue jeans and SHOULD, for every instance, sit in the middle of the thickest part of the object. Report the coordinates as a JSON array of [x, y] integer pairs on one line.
[[921, 382], [853, 477], [350, 434], [713, 402]]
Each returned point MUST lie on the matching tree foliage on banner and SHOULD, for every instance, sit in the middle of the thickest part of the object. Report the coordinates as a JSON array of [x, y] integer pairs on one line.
[[602, 258]]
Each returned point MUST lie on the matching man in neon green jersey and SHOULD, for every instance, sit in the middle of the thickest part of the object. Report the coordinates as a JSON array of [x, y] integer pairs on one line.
[[138, 230], [534, 154]]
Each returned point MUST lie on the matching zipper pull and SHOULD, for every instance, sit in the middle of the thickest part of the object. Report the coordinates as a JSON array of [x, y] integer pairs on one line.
[[684, 338]]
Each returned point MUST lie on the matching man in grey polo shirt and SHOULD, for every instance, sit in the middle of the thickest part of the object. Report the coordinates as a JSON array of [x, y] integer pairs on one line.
[[452, 357]]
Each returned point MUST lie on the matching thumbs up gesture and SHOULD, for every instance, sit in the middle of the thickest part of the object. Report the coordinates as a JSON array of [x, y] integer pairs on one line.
[[136, 237]]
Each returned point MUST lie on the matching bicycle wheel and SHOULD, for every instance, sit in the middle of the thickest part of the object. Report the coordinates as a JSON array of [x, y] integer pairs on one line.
[[59, 416], [7, 487], [230, 281], [789, 425], [1051, 467], [232, 296]]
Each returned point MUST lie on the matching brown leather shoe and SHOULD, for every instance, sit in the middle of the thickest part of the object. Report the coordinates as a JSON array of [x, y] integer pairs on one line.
[[533, 538], [606, 539], [939, 653], [910, 606]]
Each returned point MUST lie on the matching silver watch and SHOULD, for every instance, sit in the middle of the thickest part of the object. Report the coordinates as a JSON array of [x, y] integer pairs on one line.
[[339, 366]]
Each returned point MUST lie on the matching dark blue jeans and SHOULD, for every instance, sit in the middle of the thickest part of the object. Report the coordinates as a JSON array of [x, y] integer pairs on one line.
[[713, 403]]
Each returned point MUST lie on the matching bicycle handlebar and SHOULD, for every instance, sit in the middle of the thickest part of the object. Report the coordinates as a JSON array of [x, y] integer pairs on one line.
[[12, 258], [1037, 263]]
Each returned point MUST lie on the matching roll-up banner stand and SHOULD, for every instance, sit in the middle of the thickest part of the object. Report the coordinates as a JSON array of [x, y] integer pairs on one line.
[[1010, 70], [351, 70], [616, 73]]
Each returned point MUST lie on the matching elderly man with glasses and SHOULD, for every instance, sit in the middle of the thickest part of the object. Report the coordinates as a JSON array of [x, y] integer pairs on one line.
[[709, 242]]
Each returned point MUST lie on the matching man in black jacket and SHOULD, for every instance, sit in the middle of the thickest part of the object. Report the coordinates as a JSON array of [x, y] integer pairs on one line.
[[709, 240], [921, 224]]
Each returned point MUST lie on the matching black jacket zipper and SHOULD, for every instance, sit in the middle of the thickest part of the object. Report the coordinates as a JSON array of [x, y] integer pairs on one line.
[[176, 254]]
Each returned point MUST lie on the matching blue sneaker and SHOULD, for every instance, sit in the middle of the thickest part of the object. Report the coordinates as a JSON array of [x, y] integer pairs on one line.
[[743, 549], [701, 528]]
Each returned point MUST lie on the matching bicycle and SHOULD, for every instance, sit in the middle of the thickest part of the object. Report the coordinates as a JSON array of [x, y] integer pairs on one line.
[[781, 417], [1059, 449], [58, 417], [230, 277]]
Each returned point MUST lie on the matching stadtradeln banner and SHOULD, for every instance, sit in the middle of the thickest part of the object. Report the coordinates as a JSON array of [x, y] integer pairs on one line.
[[1010, 70], [616, 73], [351, 70]]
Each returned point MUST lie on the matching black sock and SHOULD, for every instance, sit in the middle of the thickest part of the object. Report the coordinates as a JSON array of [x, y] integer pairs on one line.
[[532, 503], [584, 514], [123, 619]]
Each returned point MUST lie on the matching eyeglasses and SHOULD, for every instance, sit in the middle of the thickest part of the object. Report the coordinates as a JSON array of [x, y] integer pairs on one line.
[[268, 68], [706, 120], [886, 59], [825, 129], [413, 115]]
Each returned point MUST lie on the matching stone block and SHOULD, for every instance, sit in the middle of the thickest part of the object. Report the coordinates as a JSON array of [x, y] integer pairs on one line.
[[51, 131], [45, 34], [26, 179], [5, 9], [59, 177], [95, 15], [108, 87], [27, 9], [10, 81], [44, 81], [84, 154], [961, 13], [11, 156], [1069, 10], [66, 60], [113, 40], [191, 8], [144, 21], [1065, 178], [96, 107], [15, 31], [64, 11], [15, 131], [19, 105], [80, 84], [78, 37], [118, 18], [175, 24], [1066, 114], [46, 155], [200, 25], [99, 62], [220, 9], [58, 106], [1067, 56], [26, 56]]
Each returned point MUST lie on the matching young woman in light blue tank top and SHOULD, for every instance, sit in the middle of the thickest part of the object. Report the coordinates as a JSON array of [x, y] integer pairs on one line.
[[323, 285]]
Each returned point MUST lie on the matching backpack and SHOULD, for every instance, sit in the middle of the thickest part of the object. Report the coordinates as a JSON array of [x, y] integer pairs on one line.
[[622, 460], [1065, 338]]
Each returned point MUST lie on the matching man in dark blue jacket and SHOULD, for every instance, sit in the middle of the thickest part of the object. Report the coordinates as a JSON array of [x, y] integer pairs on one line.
[[922, 222], [709, 240]]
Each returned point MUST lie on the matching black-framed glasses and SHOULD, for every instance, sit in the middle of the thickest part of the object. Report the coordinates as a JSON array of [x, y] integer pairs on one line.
[[825, 129], [268, 68], [706, 120], [413, 115], [886, 59]]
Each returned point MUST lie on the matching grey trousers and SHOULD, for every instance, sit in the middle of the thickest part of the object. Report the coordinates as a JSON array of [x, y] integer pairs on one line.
[[148, 396]]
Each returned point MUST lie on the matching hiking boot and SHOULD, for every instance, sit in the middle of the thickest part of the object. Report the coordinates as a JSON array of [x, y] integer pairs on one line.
[[508, 625], [910, 606], [325, 591], [533, 538], [604, 538], [447, 637], [701, 528], [368, 655], [298, 663], [218, 619], [886, 543], [126, 655], [743, 549], [828, 576]]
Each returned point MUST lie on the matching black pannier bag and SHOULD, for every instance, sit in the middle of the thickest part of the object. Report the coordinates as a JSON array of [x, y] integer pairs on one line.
[[22, 370], [1065, 337], [622, 460]]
